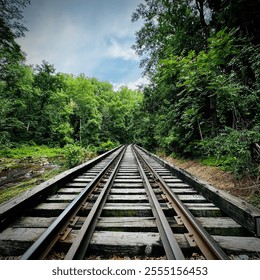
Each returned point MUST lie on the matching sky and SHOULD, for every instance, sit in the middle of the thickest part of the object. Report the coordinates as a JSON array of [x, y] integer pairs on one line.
[[93, 37]]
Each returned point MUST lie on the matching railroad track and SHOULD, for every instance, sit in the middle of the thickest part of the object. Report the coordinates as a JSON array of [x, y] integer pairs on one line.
[[131, 203]]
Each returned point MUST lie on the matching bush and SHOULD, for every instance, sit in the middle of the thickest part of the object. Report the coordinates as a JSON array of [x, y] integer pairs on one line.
[[232, 150], [106, 146], [74, 155]]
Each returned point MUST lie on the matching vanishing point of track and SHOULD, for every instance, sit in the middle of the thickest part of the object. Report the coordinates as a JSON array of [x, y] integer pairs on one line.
[[126, 202]]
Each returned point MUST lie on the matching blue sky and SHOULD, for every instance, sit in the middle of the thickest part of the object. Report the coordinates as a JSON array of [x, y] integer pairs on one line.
[[93, 37]]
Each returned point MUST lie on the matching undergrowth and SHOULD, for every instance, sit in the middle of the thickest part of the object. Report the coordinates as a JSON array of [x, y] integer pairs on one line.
[[255, 200], [33, 151]]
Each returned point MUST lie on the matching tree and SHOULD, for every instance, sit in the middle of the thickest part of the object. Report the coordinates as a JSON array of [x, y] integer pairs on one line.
[[242, 15], [11, 27], [204, 89], [49, 107], [99, 113], [11, 13], [15, 78], [170, 27], [86, 118]]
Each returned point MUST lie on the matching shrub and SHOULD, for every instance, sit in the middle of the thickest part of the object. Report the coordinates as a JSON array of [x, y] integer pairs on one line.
[[232, 150], [106, 146], [74, 155]]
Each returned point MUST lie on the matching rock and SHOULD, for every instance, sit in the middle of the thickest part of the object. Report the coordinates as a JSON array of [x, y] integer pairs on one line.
[[41, 171], [44, 161], [29, 174], [234, 257], [148, 250], [243, 257]]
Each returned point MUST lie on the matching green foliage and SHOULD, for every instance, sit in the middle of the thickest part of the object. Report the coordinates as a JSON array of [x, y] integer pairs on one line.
[[11, 14], [106, 146], [254, 199], [98, 112], [212, 161], [58, 109], [170, 27], [74, 155], [232, 150], [228, 14], [203, 100], [34, 151]]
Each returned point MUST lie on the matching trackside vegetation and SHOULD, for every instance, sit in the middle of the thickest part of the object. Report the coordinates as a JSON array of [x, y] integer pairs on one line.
[[202, 58]]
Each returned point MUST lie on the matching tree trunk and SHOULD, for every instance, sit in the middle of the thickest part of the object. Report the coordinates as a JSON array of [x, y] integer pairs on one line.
[[213, 113]]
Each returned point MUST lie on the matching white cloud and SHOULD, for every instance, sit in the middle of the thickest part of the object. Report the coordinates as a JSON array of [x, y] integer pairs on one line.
[[123, 50], [132, 84], [83, 37]]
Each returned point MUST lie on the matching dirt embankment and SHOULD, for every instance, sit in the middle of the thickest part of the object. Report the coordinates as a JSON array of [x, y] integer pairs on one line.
[[246, 188]]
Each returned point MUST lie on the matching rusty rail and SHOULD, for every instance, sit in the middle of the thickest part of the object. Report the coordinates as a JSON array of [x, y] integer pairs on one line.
[[42, 246], [197, 235], [170, 244]]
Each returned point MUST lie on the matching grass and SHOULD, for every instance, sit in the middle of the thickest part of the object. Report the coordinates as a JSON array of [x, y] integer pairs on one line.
[[33, 151], [224, 163], [211, 161]]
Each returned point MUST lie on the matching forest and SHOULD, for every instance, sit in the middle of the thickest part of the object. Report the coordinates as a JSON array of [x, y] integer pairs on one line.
[[202, 102]]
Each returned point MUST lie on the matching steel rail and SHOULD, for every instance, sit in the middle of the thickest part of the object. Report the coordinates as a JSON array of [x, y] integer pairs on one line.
[[79, 247], [170, 244], [42, 246], [207, 245]]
